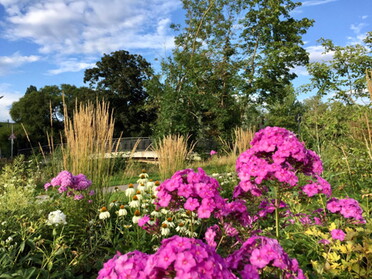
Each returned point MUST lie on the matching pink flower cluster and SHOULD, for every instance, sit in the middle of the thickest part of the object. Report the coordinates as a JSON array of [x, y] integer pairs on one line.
[[177, 257], [130, 265], [276, 154], [338, 234], [318, 187], [259, 252], [349, 208], [69, 183], [194, 191]]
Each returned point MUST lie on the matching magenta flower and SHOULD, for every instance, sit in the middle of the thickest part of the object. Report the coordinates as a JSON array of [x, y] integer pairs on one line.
[[143, 221], [213, 152], [192, 260], [258, 258], [69, 184], [277, 154], [193, 191], [338, 234], [130, 265]]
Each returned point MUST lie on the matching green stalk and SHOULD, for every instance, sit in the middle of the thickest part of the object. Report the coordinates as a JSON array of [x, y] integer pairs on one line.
[[277, 211]]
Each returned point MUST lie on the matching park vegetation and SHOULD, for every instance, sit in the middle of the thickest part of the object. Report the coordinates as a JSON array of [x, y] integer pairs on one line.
[[249, 183]]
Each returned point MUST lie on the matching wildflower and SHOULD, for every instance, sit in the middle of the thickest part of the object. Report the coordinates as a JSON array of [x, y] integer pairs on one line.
[[135, 202], [199, 190], [78, 197], [130, 265], [136, 217], [122, 211], [186, 258], [113, 203], [129, 192], [212, 152], [56, 218], [164, 230], [143, 221], [338, 234], [141, 187], [104, 213], [169, 222]]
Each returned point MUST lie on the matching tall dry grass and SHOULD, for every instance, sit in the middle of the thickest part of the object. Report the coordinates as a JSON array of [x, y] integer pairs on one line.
[[172, 151], [88, 142], [242, 139]]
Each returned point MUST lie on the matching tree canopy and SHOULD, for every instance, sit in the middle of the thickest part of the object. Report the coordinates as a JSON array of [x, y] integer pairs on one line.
[[121, 78]]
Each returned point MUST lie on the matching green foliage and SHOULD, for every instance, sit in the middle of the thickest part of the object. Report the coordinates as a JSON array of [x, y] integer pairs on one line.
[[343, 75], [285, 113]]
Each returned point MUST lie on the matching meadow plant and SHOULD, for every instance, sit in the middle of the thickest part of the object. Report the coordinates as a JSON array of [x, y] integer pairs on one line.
[[73, 186], [277, 167], [172, 151]]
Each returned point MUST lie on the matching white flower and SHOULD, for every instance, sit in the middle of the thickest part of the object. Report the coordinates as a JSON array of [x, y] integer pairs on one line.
[[215, 174], [135, 219], [122, 211], [169, 223], [130, 191], [104, 215], [141, 187], [164, 211], [56, 218], [164, 230], [113, 203], [134, 203], [156, 213], [143, 175], [150, 184], [142, 181]]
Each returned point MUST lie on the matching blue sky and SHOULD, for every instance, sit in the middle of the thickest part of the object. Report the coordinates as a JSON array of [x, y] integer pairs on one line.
[[50, 42]]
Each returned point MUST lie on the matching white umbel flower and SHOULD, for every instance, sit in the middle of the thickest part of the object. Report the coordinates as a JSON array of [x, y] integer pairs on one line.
[[56, 218]]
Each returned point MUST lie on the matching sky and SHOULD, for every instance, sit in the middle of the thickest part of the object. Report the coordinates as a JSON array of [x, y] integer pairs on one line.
[[51, 42]]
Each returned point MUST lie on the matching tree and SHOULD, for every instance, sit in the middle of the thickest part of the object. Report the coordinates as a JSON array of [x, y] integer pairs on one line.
[[41, 111], [344, 76], [224, 63], [286, 113], [121, 77], [272, 41], [201, 78], [38, 111]]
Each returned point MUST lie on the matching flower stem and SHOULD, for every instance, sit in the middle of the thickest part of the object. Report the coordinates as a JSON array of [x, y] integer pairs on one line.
[[277, 211]]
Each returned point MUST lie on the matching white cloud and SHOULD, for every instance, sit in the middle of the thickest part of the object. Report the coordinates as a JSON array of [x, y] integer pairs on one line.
[[6, 102], [316, 54], [9, 63], [316, 2], [71, 65], [90, 27]]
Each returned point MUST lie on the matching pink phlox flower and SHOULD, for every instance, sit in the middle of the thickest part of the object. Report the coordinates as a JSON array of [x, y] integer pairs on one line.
[[185, 261], [191, 204], [78, 197], [210, 235], [338, 234], [213, 152], [130, 265], [230, 230]]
